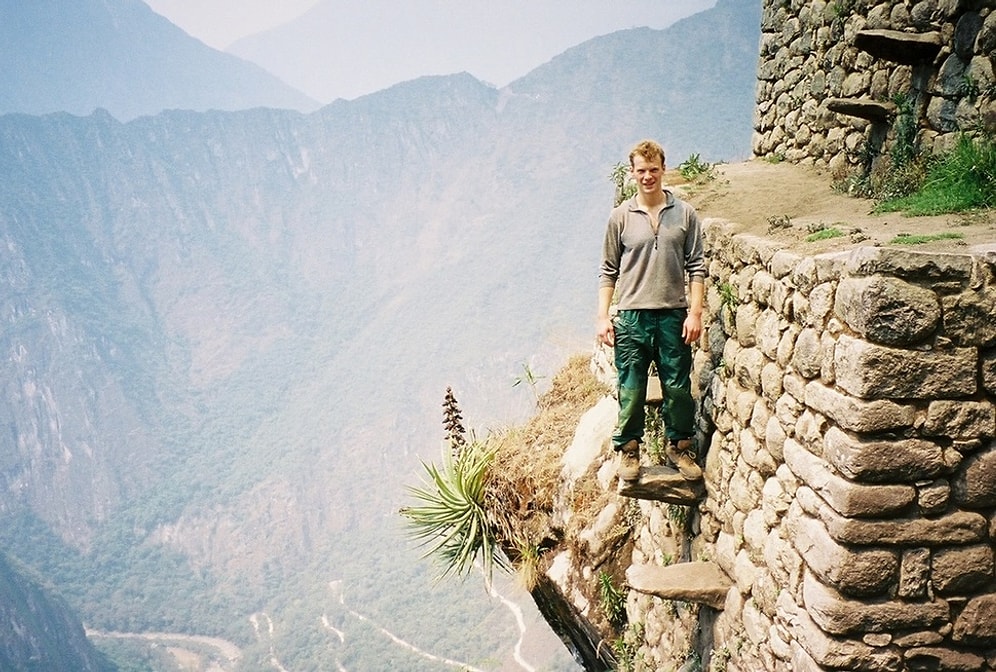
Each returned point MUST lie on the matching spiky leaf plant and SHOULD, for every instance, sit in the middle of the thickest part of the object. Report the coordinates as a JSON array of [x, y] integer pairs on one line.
[[450, 518]]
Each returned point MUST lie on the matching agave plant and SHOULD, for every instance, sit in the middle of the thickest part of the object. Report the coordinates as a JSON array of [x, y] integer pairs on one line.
[[451, 518]]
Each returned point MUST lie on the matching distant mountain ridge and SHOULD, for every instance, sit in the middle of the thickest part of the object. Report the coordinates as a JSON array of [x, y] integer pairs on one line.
[[398, 41], [231, 331], [80, 55]]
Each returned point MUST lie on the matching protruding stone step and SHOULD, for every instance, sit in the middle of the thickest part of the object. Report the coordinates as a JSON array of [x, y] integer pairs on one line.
[[865, 108], [655, 395], [663, 484], [899, 47], [702, 582]]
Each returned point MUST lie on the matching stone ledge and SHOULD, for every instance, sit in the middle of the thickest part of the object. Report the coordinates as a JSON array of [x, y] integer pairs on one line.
[[863, 108], [702, 582], [899, 47], [663, 484]]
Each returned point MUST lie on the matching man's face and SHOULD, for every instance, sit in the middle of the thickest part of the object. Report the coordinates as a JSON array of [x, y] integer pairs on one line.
[[647, 174]]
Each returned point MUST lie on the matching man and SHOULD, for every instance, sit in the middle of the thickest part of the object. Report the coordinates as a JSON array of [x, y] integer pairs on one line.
[[652, 241]]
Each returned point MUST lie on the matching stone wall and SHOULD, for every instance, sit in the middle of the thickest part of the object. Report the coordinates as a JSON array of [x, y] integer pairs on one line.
[[851, 471], [830, 75]]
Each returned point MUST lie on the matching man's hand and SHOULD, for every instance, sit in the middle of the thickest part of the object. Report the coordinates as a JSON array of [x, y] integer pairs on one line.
[[606, 332], [692, 328]]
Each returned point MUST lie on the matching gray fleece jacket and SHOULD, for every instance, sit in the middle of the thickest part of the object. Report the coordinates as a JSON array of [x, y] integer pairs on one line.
[[649, 271]]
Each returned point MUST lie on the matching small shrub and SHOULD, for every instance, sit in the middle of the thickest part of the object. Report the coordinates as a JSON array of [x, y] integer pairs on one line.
[[824, 234], [694, 168], [728, 295], [621, 177], [451, 518], [612, 600]]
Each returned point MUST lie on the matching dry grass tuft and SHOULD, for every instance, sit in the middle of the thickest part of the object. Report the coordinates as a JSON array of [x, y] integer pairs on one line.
[[526, 468]]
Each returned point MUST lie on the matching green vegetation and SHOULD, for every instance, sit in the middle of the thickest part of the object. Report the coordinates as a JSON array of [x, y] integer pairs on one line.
[[611, 599], [824, 234], [694, 168], [528, 376], [451, 517], [960, 180], [653, 438], [913, 239], [626, 647], [625, 186], [728, 295]]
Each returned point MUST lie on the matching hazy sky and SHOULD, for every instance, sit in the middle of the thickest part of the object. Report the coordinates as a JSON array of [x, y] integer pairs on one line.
[[218, 23], [332, 49]]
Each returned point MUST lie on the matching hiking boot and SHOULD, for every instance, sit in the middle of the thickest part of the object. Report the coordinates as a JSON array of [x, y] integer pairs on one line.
[[629, 461], [682, 456]]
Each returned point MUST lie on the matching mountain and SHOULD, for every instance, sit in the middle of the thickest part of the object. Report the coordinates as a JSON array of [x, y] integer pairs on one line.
[[346, 48], [228, 334], [38, 631], [79, 55]]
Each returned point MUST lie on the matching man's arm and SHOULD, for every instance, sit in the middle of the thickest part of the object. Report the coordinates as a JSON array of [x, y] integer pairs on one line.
[[692, 328], [603, 323]]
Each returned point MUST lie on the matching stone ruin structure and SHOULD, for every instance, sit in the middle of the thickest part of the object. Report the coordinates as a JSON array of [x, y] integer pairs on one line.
[[847, 515], [835, 78]]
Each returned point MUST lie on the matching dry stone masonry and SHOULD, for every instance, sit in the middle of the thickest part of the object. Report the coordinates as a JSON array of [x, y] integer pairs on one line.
[[851, 473], [830, 75]]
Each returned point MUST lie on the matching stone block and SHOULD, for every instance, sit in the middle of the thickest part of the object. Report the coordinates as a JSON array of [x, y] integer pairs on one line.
[[962, 570], [755, 455], [701, 582], [943, 658], [914, 574], [987, 367], [924, 267], [877, 461], [830, 652], [960, 419], [774, 438], [888, 311], [857, 572], [957, 528], [747, 368], [922, 638], [858, 415], [807, 355], [974, 487], [769, 333], [771, 381], [968, 317], [839, 615], [976, 624], [803, 276], [932, 499], [745, 320], [854, 500], [663, 484], [783, 262], [871, 371]]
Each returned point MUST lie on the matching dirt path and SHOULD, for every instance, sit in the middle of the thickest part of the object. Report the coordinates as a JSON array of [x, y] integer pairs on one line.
[[226, 660], [784, 202]]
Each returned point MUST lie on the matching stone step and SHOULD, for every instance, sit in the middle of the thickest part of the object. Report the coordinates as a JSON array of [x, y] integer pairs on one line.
[[663, 484], [655, 395], [702, 582], [865, 108], [899, 47]]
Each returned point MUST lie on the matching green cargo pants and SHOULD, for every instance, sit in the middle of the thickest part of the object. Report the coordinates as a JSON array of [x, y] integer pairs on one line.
[[642, 337]]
